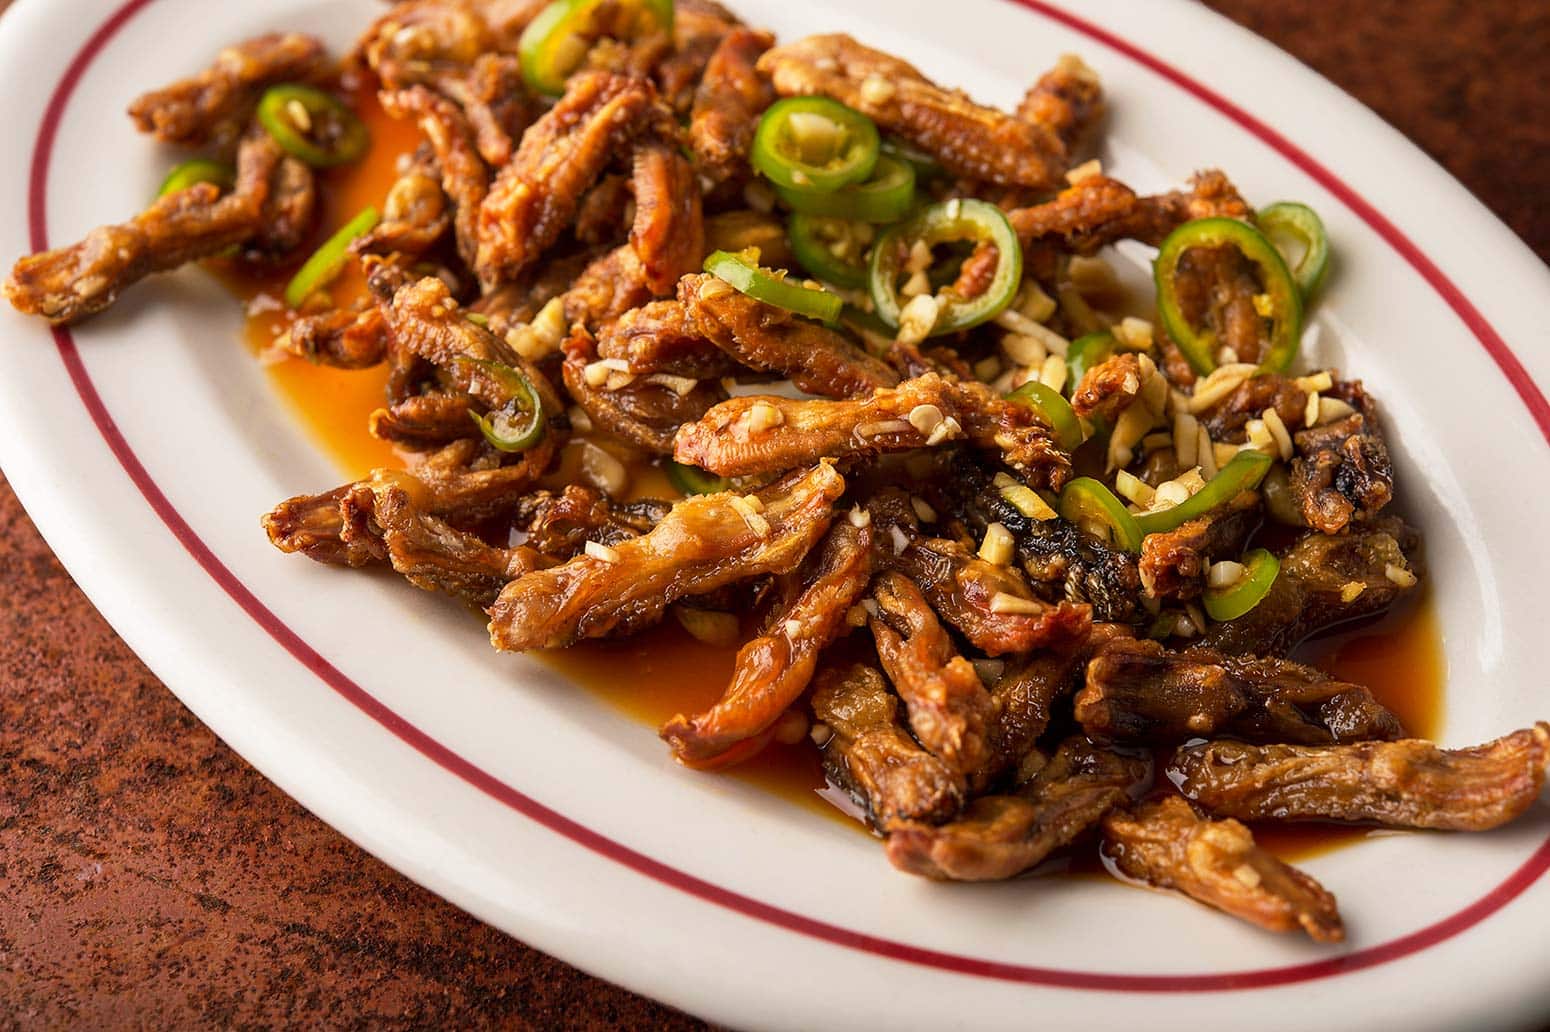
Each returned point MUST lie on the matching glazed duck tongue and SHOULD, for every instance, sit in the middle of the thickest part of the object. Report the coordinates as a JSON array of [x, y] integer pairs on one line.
[[1404, 784], [1000, 836], [1167, 845], [872, 756], [213, 106], [705, 542], [1326, 580], [971, 141], [774, 669], [1139, 691]]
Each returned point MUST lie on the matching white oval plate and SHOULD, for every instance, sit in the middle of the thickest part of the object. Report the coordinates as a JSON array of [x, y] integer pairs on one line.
[[146, 444]]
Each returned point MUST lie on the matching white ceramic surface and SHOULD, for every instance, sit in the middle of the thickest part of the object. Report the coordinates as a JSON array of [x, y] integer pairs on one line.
[[489, 780]]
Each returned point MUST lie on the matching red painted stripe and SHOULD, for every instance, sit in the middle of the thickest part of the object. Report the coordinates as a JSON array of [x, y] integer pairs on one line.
[[1498, 897]]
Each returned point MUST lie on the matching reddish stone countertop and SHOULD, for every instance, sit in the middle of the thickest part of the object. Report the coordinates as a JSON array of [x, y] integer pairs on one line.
[[149, 877]]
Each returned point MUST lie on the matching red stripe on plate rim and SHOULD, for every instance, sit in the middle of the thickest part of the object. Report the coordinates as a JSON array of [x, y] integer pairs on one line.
[[1515, 884]]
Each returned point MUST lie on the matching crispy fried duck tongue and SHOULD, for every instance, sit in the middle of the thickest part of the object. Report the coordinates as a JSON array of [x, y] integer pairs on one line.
[[873, 757], [1167, 845], [1406, 784], [774, 669], [1000, 836], [727, 105], [213, 105], [969, 140], [705, 542], [1139, 691]]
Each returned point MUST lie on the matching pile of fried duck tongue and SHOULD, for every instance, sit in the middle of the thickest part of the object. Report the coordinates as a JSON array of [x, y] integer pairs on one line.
[[994, 537]]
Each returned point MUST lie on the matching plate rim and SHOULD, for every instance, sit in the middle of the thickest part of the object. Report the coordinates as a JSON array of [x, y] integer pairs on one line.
[[466, 770]]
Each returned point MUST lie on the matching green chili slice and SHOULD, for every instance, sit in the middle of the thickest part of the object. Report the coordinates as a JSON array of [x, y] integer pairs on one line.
[[814, 143], [313, 126], [517, 425], [1086, 352], [830, 249], [1280, 289], [1288, 218], [555, 43], [773, 288], [1086, 502], [1243, 473], [692, 480], [1231, 602], [959, 220], [1054, 410], [200, 170], [885, 197], [328, 261]]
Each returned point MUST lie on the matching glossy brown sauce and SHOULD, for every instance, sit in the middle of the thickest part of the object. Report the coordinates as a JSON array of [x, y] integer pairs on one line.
[[664, 671]]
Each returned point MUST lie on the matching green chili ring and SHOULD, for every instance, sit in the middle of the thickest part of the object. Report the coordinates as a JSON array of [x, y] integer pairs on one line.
[[763, 285], [812, 240], [692, 480], [313, 126], [328, 261], [1085, 352], [1302, 222], [886, 196], [1199, 347], [517, 425], [1243, 473], [199, 170], [960, 219], [1086, 500], [1260, 571], [1054, 410], [814, 144], [555, 43]]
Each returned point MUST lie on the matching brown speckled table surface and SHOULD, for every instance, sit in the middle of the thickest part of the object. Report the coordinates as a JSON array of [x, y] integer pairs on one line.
[[151, 878]]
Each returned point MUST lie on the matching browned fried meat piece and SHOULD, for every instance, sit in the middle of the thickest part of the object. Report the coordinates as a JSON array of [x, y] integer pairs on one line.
[[1141, 691], [1097, 210], [1061, 562], [1342, 469], [1068, 99], [1024, 699], [1407, 784], [668, 233], [744, 228], [431, 554], [661, 338], [1325, 580], [465, 181], [706, 542], [699, 26], [560, 525], [67, 285], [949, 709], [773, 669], [288, 213], [765, 434], [727, 105], [1000, 836], [768, 338], [313, 526], [214, 105], [1216, 288], [990, 605], [341, 337], [495, 99], [603, 210], [415, 214], [1226, 419], [871, 756], [608, 287], [1108, 388], [645, 410], [1167, 845], [969, 140], [425, 320], [1173, 563], [417, 40], [537, 193], [426, 420]]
